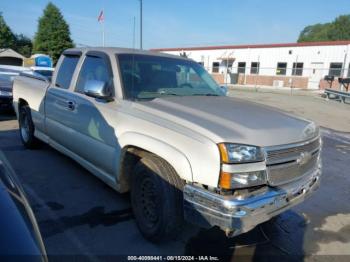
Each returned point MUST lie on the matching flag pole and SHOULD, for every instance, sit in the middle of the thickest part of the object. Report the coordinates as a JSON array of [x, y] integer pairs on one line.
[[103, 28]]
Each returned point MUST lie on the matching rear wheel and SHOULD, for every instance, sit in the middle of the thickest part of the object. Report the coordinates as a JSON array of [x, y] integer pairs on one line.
[[26, 128], [156, 196]]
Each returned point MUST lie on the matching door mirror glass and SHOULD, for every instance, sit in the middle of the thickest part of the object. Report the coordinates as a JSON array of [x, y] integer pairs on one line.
[[97, 89]]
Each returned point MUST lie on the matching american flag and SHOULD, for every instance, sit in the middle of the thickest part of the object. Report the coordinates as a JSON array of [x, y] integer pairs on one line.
[[101, 17]]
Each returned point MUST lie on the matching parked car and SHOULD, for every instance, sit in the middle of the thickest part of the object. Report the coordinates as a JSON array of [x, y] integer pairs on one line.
[[7, 75], [159, 126], [20, 236], [6, 80]]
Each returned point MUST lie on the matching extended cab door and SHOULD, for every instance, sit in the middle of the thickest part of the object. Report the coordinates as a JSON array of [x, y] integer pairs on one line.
[[88, 123], [59, 103]]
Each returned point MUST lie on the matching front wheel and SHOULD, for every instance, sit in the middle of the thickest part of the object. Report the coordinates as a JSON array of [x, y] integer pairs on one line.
[[156, 196], [26, 128]]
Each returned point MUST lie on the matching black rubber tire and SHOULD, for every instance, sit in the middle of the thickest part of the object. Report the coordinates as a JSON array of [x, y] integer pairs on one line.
[[26, 125], [161, 220]]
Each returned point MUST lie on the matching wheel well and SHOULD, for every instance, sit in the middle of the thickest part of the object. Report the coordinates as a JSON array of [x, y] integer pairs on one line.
[[22, 102], [129, 157]]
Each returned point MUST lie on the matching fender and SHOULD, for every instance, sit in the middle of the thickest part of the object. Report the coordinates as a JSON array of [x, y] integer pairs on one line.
[[169, 153]]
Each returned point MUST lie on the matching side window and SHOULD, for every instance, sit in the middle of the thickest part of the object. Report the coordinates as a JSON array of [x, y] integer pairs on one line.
[[187, 75], [94, 68], [66, 71]]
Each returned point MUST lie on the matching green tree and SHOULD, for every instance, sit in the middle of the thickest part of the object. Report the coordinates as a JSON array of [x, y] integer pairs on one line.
[[339, 29], [23, 45], [7, 38], [53, 35]]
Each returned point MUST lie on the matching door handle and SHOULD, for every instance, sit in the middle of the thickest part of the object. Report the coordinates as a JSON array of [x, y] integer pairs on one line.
[[71, 105]]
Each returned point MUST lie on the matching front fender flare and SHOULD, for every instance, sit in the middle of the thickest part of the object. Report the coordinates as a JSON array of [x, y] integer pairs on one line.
[[160, 148]]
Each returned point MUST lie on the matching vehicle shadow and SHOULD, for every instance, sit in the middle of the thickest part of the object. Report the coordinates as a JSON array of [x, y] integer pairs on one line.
[[280, 239]]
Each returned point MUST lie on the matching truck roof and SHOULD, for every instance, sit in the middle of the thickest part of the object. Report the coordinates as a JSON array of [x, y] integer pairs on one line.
[[120, 50]]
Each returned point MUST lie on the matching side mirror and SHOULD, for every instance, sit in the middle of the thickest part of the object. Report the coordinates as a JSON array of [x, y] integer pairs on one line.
[[224, 90], [97, 89]]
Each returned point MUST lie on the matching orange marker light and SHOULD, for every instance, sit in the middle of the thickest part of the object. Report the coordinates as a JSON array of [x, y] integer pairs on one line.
[[225, 180], [223, 153]]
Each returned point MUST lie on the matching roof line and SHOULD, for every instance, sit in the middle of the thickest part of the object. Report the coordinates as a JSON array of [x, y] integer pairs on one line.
[[320, 43]]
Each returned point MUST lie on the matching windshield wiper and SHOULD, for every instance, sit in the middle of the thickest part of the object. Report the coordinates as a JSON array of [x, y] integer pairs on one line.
[[208, 94], [168, 94]]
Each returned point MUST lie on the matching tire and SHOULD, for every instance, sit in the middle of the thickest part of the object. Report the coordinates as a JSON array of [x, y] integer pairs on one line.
[[157, 199], [26, 128]]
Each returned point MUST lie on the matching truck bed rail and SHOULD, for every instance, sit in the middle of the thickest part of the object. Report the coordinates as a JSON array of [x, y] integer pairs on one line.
[[35, 76]]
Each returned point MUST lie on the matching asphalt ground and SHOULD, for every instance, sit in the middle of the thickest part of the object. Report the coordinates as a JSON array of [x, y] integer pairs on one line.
[[312, 105], [81, 217]]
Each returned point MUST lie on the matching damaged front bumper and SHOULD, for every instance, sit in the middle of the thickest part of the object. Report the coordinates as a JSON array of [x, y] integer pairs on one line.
[[237, 215]]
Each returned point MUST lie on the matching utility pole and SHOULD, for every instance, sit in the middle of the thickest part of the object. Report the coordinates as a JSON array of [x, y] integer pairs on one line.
[[133, 33], [140, 24], [256, 73]]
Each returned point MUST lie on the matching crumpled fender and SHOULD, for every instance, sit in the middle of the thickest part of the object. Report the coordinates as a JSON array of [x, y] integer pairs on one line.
[[160, 148]]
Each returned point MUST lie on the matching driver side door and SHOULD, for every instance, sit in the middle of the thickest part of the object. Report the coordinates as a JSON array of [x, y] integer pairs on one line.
[[93, 138]]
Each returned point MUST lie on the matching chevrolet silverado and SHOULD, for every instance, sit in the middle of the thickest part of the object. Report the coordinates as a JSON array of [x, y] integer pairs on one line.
[[160, 127]]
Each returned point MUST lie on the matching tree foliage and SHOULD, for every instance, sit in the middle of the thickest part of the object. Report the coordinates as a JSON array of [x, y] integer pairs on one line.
[[23, 45], [7, 38], [53, 35], [339, 29]]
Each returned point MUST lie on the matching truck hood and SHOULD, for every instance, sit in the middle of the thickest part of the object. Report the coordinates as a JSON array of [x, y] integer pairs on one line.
[[227, 119]]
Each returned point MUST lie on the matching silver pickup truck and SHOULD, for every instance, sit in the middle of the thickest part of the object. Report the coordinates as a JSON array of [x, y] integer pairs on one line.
[[160, 127]]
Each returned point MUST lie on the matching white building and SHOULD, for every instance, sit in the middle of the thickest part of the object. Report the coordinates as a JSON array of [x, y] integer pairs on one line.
[[301, 65]]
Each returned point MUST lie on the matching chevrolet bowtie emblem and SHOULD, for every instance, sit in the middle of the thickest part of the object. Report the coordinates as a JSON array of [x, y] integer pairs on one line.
[[304, 158]]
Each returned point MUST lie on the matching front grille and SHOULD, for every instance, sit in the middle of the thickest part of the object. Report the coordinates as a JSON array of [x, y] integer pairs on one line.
[[284, 165], [288, 153]]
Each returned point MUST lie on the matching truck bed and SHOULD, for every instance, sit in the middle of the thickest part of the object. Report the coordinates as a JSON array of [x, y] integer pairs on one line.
[[31, 89]]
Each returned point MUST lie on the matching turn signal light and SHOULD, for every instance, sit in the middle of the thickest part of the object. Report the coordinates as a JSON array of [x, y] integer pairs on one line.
[[225, 180]]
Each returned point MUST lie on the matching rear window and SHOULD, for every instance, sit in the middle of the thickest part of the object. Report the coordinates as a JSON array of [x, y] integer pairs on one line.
[[66, 71]]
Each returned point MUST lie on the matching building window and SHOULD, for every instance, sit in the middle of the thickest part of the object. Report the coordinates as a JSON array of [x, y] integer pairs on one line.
[[228, 63], [281, 69], [297, 69], [216, 66], [254, 68], [335, 69], [241, 68]]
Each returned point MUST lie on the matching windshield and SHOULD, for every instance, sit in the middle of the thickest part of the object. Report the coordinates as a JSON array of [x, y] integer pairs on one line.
[[149, 77]]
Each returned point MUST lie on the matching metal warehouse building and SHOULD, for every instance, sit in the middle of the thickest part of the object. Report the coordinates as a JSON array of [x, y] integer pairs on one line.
[[299, 65]]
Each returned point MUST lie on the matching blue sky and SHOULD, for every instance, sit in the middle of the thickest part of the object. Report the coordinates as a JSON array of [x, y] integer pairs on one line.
[[179, 22]]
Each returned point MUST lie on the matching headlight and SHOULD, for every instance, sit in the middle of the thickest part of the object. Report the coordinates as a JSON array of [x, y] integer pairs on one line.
[[242, 180], [310, 131], [236, 153]]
